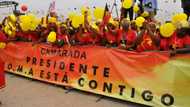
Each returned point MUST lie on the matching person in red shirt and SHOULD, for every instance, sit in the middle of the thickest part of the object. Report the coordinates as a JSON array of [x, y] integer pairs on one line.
[[3, 37], [111, 35], [148, 38], [92, 33], [180, 41], [187, 37], [164, 43], [62, 37], [180, 38], [126, 35], [83, 37]]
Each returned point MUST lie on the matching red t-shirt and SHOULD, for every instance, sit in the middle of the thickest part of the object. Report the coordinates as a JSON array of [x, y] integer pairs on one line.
[[3, 37], [21, 34], [85, 37], [177, 42], [146, 44], [187, 40], [164, 44], [62, 37], [111, 38], [129, 36], [33, 36]]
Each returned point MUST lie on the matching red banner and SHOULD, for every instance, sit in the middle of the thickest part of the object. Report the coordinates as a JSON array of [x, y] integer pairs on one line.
[[150, 78]]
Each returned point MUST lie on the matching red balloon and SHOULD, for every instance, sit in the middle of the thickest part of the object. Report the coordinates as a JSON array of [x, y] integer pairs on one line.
[[24, 8]]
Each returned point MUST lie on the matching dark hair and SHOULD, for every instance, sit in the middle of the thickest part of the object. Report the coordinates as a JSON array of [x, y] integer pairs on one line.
[[182, 32]]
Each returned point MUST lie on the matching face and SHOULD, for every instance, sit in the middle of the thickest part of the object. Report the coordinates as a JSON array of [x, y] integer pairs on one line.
[[125, 25], [152, 27], [52, 26], [133, 25], [63, 29], [110, 27]]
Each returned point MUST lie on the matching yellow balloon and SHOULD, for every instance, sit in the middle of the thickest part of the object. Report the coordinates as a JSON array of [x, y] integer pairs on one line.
[[136, 8], [167, 30], [139, 21], [127, 4], [2, 45], [77, 21], [72, 15], [12, 26], [183, 16], [84, 9], [29, 22], [52, 37], [145, 14], [184, 23], [179, 17], [98, 13], [12, 18], [10, 33], [6, 28]]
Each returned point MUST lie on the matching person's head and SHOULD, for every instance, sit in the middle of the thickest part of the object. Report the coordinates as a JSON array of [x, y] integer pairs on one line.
[[110, 26], [182, 32], [152, 27], [63, 29], [52, 27], [133, 25], [125, 24], [98, 22], [81, 28]]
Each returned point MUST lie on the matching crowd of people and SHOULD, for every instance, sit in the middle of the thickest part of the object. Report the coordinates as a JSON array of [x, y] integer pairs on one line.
[[143, 35]]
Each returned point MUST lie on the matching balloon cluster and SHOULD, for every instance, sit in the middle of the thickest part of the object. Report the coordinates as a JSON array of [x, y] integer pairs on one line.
[[29, 22], [78, 19], [178, 20], [10, 26]]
